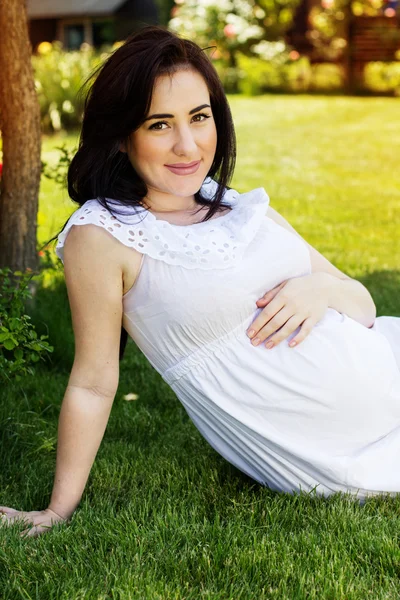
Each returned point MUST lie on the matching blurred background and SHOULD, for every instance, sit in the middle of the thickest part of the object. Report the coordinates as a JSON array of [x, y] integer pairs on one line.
[[260, 46]]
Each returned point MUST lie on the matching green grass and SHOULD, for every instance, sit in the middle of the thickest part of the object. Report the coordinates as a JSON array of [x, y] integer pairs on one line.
[[163, 515]]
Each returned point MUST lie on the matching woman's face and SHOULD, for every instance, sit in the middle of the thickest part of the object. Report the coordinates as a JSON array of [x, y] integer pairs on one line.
[[175, 137]]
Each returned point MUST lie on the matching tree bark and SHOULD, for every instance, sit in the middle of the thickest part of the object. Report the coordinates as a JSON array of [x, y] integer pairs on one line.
[[350, 83], [20, 129]]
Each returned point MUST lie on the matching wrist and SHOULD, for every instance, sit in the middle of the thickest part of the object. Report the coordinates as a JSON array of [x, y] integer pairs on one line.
[[63, 515], [329, 284]]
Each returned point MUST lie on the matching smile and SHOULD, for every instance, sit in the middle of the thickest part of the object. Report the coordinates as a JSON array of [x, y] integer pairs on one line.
[[184, 170]]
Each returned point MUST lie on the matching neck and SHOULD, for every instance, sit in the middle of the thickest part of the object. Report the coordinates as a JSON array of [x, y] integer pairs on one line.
[[174, 206]]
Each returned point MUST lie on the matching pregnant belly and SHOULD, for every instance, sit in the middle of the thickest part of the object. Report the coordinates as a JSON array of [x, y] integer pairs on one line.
[[332, 390], [341, 356]]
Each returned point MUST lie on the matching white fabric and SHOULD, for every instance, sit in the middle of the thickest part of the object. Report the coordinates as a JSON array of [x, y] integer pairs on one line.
[[324, 415], [204, 246]]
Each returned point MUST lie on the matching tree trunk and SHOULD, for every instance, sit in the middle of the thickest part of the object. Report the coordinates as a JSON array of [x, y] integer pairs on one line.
[[350, 83], [20, 128]]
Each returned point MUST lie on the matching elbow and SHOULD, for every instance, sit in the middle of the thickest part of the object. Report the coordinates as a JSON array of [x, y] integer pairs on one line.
[[371, 320]]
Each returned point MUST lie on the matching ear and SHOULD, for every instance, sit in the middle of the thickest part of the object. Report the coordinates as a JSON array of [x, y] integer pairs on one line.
[[122, 147]]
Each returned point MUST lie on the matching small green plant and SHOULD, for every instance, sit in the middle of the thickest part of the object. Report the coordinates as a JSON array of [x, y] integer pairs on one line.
[[58, 172], [20, 346]]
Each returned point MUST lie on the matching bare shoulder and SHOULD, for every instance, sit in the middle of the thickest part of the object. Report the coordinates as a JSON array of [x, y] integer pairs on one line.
[[94, 248], [92, 239]]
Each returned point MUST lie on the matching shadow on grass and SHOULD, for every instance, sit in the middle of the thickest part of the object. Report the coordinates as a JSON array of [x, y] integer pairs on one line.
[[384, 287]]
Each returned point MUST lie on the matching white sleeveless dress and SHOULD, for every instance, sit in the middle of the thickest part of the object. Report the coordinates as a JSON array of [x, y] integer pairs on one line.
[[324, 415]]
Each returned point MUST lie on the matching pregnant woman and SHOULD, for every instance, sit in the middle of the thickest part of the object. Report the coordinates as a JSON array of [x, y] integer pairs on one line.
[[162, 246]]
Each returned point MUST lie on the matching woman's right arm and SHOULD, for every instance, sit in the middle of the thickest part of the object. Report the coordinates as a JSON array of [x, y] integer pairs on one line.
[[94, 278]]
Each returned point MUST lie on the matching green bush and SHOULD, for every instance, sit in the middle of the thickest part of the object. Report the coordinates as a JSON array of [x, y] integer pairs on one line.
[[229, 76], [258, 76], [383, 77], [327, 77], [59, 76], [59, 172], [20, 346]]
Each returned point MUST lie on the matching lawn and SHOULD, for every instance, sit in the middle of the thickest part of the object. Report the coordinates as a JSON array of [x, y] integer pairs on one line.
[[163, 515]]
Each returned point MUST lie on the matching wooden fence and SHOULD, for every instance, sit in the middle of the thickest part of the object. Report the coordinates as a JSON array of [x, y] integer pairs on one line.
[[368, 39], [371, 39]]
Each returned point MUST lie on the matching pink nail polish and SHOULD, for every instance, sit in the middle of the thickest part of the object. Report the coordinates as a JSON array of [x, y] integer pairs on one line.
[[250, 332], [269, 345]]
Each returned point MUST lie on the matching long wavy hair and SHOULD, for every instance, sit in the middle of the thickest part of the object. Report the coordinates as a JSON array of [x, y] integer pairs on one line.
[[116, 104]]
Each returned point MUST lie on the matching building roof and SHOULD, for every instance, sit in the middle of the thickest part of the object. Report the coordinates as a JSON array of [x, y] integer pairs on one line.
[[47, 9]]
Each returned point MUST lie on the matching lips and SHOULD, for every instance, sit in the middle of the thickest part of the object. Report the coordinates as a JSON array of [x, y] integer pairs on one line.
[[183, 165], [184, 170]]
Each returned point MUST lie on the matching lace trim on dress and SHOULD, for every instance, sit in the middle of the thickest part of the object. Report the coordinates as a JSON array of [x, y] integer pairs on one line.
[[216, 243]]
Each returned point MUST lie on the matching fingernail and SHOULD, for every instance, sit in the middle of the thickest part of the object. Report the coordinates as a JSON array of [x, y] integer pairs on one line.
[[255, 341], [292, 344], [250, 332], [269, 345]]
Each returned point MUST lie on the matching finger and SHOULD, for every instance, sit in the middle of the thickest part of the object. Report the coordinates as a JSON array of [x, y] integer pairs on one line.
[[265, 299], [264, 317], [8, 521], [7, 510], [4, 520], [290, 326], [268, 296], [19, 516], [271, 327], [31, 532], [36, 530], [305, 330]]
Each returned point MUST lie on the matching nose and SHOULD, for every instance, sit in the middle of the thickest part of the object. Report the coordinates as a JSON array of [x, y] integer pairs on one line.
[[185, 143]]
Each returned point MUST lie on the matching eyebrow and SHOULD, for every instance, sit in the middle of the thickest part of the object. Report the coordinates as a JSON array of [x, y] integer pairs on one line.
[[166, 116]]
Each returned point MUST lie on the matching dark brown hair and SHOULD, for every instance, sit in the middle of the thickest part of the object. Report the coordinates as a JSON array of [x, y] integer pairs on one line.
[[118, 102]]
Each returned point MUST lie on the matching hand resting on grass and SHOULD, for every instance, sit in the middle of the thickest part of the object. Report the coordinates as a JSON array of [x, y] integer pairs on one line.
[[39, 521]]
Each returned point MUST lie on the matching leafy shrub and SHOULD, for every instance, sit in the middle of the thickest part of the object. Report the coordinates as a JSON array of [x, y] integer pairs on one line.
[[258, 76], [20, 346], [59, 76], [229, 76], [327, 77], [383, 77], [58, 172]]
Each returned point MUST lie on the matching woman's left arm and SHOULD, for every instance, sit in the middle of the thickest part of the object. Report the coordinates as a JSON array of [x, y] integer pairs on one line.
[[350, 297], [306, 299]]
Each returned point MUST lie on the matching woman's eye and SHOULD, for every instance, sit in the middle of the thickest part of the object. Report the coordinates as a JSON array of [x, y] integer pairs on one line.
[[154, 126], [202, 115]]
